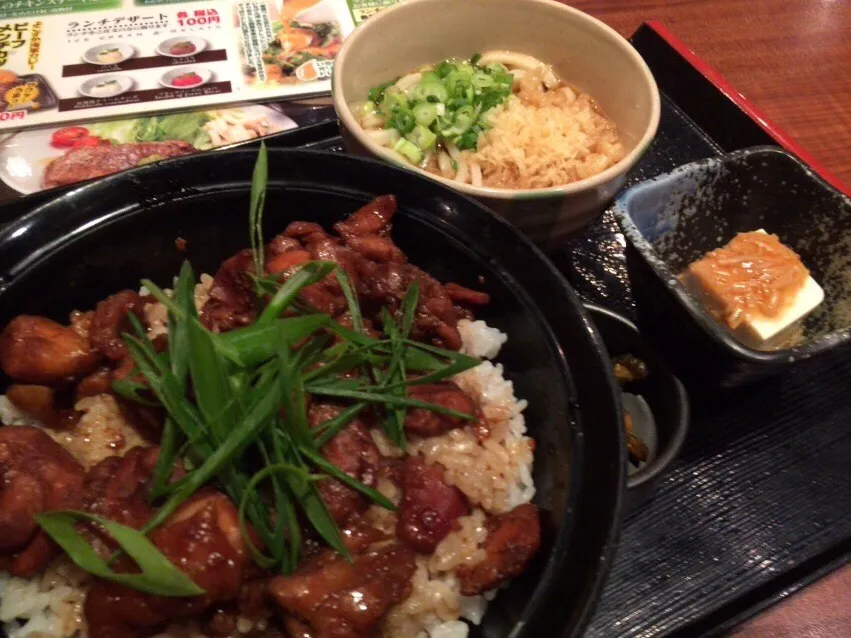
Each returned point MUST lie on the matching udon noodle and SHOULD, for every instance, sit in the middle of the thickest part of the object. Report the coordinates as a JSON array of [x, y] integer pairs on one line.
[[502, 120]]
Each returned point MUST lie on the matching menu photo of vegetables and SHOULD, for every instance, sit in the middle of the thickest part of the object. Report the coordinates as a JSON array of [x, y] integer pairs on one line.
[[46, 158], [291, 42]]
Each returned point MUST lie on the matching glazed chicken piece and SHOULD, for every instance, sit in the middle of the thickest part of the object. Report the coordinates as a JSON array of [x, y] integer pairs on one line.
[[40, 351], [436, 318], [327, 295], [328, 597], [204, 540], [283, 253], [465, 296], [232, 302], [281, 244], [351, 450], [367, 231], [81, 323], [98, 382], [223, 619], [513, 540], [41, 403], [381, 275], [429, 506], [110, 322], [297, 629], [38, 475], [375, 248], [283, 262], [118, 487], [424, 422], [314, 244], [377, 268], [392, 469], [305, 232], [372, 218]]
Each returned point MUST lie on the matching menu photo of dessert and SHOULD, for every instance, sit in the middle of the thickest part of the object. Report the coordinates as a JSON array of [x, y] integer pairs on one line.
[[164, 63]]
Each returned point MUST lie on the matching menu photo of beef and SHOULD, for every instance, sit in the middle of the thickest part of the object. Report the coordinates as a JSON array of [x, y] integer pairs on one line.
[[31, 161]]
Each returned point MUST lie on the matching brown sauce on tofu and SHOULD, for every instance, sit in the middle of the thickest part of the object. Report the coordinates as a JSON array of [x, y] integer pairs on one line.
[[753, 275]]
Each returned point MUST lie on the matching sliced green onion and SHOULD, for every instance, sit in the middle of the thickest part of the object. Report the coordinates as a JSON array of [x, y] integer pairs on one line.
[[444, 68], [258, 200], [482, 80], [467, 141], [463, 121], [429, 76], [430, 92], [360, 109], [393, 101], [409, 150], [457, 78], [309, 274], [377, 94], [332, 427], [157, 576], [425, 113], [254, 344], [422, 137], [238, 438], [403, 121], [335, 472], [452, 101]]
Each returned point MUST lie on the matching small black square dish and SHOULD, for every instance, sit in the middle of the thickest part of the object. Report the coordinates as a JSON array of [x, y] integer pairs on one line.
[[677, 218], [653, 400]]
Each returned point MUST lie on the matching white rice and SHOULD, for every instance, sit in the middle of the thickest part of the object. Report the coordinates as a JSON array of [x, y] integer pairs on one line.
[[156, 314], [494, 474], [480, 340], [10, 415], [47, 606]]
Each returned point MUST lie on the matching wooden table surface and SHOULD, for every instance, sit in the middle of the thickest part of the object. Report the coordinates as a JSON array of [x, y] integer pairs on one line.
[[792, 59]]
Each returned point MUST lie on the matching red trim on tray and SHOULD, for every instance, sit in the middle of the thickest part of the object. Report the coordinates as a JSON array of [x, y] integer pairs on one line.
[[746, 105]]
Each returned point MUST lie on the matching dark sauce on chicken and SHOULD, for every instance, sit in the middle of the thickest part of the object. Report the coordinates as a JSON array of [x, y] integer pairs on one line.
[[327, 596]]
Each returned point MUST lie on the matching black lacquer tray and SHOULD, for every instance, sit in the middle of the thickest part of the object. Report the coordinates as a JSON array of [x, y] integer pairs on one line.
[[758, 505]]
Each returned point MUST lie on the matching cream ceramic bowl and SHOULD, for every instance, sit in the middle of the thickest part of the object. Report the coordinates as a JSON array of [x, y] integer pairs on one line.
[[583, 51]]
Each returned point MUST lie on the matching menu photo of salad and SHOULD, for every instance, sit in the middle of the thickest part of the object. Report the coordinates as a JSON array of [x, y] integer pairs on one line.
[[300, 40], [35, 160]]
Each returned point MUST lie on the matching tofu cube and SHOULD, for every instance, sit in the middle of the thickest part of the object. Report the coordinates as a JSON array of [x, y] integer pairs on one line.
[[753, 329]]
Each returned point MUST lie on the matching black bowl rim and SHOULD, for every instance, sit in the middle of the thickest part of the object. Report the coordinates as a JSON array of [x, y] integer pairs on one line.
[[669, 279], [677, 390], [68, 228]]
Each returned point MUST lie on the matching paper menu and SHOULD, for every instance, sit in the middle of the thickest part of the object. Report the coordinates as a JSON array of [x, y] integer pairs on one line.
[[72, 60]]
